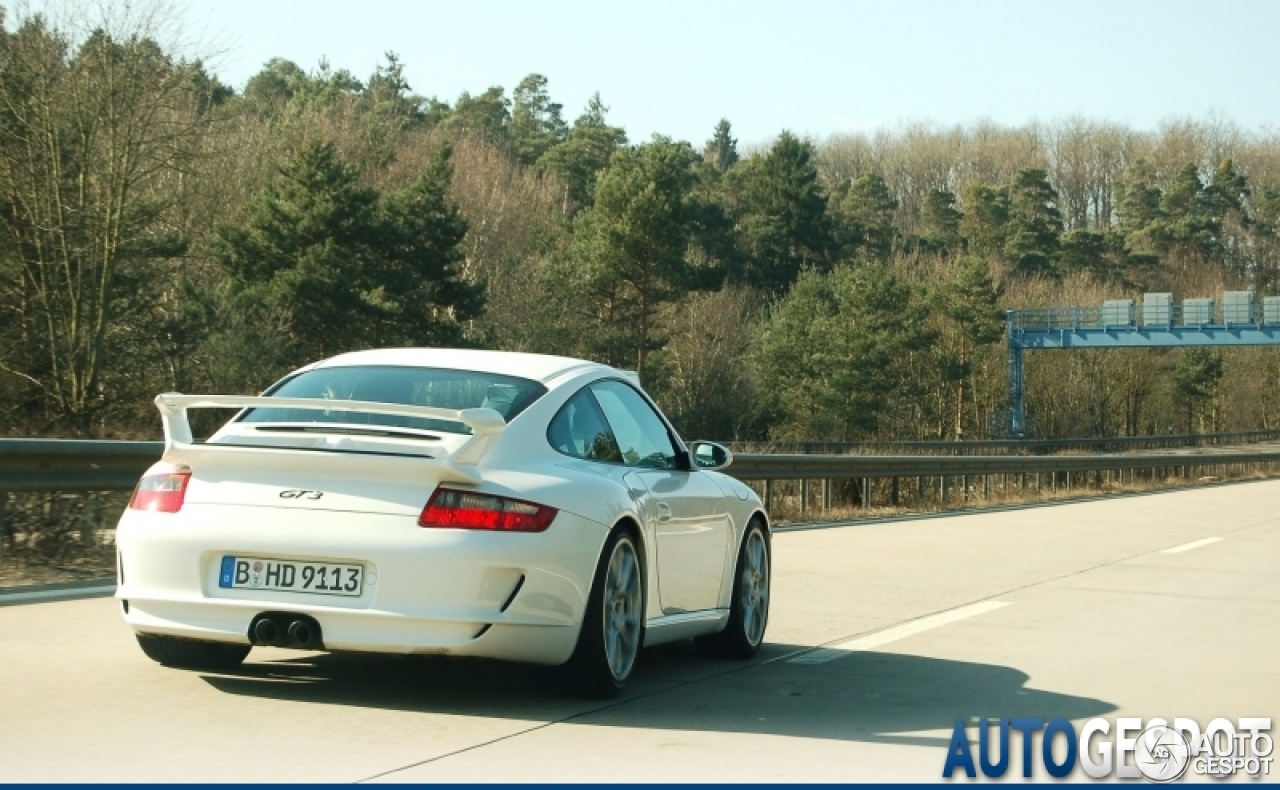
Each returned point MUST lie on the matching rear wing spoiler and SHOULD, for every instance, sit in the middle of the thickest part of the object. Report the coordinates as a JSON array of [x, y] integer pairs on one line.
[[485, 424]]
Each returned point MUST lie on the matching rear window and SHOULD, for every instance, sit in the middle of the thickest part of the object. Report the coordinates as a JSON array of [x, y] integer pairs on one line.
[[436, 387]]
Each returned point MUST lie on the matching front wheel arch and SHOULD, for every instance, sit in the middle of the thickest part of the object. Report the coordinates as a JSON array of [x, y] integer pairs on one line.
[[735, 640]]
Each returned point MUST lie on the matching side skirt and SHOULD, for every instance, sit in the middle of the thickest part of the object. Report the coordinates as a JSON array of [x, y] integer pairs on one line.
[[671, 627]]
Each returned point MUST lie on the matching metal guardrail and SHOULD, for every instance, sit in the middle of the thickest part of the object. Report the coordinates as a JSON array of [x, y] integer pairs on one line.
[[937, 473], [74, 464], [828, 467], [1025, 446], [86, 465]]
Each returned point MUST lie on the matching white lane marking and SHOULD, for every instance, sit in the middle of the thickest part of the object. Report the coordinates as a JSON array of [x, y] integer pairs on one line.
[[53, 595], [1195, 544], [872, 641]]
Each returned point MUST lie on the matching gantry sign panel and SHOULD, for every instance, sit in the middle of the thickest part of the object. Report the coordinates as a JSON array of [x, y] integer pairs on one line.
[[1235, 321]]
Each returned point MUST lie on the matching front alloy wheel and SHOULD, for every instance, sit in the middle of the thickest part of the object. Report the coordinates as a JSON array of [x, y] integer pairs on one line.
[[753, 587], [749, 607]]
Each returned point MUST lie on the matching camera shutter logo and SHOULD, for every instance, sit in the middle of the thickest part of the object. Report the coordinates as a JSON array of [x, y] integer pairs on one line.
[[1161, 753]]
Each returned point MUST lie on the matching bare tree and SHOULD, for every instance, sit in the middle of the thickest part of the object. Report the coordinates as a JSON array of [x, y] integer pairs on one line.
[[90, 129]]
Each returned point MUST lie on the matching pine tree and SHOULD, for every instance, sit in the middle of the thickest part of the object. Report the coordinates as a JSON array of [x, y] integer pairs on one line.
[[865, 217], [485, 116], [1138, 204], [1196, 377], [418, 263], [941, 222], [714, 238], [1188, 231], [783, 220], [970, 301], [1265, 231], [629, 250], [586, 151], [985, 220], [1034, 224], [721, 151], [305, 245], [268, 91], [349, 269], [833, 351], [535, 124], [387, 93]]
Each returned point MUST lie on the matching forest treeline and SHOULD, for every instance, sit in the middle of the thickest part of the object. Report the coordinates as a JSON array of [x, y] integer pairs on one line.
[[164, 231]]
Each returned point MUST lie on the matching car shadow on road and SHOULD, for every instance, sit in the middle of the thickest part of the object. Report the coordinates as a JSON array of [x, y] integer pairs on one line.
[[865, 696]]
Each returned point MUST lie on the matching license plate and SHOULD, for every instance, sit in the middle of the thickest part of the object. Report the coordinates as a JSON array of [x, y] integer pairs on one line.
[[320, 578]]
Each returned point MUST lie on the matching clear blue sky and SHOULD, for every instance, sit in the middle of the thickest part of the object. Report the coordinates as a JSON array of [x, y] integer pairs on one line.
[[816, 68]]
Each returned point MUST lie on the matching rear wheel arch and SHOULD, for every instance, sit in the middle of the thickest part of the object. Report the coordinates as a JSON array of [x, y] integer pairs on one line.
[[629, 524], [613, 619], [632, 528]]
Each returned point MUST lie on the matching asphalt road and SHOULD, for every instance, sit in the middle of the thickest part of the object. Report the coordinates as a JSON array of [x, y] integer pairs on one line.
[[1072, 610]]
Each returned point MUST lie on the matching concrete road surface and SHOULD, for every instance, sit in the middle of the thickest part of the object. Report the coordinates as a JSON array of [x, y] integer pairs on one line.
[[1073, 611]]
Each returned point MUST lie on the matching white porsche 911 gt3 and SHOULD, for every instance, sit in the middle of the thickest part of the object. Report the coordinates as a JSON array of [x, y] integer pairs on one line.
[[471, 503]]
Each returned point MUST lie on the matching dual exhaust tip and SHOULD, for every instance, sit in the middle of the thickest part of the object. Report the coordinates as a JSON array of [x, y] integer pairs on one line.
[[283, 629]]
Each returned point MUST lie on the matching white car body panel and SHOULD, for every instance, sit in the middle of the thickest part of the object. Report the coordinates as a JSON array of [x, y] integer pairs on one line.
[[513, 596], [692, 532]]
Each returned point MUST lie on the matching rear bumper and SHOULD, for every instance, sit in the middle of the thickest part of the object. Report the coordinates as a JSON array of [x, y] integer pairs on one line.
[[509, 596]]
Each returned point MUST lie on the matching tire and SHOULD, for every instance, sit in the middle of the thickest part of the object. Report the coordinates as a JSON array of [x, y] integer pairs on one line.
[[749, 610], [613, 625], [192, 654]]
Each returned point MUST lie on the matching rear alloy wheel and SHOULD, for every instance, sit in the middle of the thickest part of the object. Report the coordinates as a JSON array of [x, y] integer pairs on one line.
[[613, 626], [749, 611], [191, 653]]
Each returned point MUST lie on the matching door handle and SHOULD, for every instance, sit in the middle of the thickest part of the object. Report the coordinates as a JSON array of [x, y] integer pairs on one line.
[[664, 512]]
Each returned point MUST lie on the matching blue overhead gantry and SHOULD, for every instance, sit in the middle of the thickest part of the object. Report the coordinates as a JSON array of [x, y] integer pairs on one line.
[[1237, 321]]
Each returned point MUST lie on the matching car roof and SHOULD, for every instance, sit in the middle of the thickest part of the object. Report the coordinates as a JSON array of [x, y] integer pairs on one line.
[[539, 367]]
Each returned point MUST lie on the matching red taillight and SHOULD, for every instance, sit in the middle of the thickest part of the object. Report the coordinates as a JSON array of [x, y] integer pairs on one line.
[[162, 493], [453, 509]]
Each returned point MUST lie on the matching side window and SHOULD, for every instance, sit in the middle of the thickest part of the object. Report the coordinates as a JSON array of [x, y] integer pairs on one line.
[[579, 430], [641, 435]]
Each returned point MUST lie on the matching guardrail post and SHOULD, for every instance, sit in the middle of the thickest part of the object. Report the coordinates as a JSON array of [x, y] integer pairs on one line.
[[964, 488], [894, 492], [826, 494], [1017, 429], [89, 518], [768, 497], [943, 484], [866, 492], [804, 496]]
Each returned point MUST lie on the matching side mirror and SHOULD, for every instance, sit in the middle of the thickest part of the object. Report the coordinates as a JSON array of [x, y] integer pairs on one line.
[[709, 455]]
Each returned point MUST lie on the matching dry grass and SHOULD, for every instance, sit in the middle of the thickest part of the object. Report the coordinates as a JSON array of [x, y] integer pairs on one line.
[[51, 536]]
